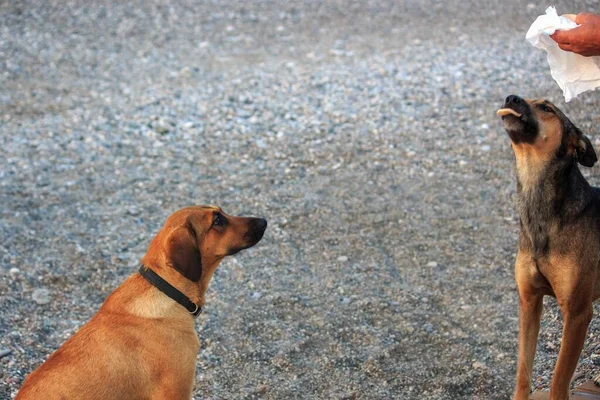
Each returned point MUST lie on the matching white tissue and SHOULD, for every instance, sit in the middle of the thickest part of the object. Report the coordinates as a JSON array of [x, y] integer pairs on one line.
[[574, 73]]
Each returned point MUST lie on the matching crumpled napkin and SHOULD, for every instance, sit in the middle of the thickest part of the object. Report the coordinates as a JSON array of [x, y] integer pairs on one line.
[[574, 74]]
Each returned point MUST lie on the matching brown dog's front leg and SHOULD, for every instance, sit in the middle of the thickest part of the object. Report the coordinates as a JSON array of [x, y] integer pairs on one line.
[[575, 325], [530, 314]]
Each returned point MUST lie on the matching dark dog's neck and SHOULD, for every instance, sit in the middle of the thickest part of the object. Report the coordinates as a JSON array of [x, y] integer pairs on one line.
[[559, 193]]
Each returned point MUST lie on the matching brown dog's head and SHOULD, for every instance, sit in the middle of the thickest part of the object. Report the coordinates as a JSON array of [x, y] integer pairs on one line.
[[194, 240], [539, 129]]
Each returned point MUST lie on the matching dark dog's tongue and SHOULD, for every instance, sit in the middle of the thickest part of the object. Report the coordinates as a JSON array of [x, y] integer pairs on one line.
[[507, 111]]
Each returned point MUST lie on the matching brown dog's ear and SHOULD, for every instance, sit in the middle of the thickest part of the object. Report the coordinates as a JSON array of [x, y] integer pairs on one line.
[[183, 252], [585, 151]]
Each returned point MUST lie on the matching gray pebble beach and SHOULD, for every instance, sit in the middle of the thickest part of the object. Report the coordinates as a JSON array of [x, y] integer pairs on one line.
[[364, 131]]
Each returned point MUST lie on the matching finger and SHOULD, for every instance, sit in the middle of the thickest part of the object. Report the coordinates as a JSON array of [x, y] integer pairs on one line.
[[565, 46], [582, 18], [561, 37]]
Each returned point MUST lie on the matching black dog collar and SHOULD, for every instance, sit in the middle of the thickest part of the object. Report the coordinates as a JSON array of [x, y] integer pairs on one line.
[[169, 290]]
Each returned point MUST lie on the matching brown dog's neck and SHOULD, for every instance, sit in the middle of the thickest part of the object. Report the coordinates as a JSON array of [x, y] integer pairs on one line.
[[147, 301], [139, 297], [193, 290]]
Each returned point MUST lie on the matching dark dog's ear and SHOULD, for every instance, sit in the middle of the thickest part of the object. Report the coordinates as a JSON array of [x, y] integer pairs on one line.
[[586, 155], [183, 252], [585, 151]]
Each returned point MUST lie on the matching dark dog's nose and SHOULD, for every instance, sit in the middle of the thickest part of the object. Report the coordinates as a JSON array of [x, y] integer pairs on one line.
[[513, 99]]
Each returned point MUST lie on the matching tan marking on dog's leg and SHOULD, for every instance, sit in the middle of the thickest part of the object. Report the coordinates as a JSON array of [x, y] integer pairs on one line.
[[530, 314], [574, 293]]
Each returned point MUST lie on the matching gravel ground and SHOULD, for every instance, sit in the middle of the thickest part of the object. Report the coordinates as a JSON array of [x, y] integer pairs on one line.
[[364, 131]]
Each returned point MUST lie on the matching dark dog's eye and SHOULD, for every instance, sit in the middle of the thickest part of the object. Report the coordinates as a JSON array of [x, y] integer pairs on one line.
[[219, 220], [545, 108]]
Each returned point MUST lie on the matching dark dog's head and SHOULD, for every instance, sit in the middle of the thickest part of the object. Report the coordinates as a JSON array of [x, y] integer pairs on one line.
[[539, 130], [194, 240]]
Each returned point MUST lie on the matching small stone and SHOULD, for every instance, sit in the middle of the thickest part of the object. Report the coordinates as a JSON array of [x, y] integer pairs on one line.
[[478, 365], [260, 390], [342, 258], [346, 300], [256, 295], [5, 352], [486, 147], [432, 264], [350, 396], [133, 211], [14, 271], [185, 71], [161, 128], [41, 296]]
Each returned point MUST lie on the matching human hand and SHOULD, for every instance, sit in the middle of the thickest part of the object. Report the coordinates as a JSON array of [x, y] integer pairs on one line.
[[583, 40]]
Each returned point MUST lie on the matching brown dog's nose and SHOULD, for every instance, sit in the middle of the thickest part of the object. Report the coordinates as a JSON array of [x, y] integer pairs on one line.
[[513, 99], [257, 227]]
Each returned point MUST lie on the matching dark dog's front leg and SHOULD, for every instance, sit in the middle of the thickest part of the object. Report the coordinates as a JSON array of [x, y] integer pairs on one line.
[[575, 325], [530, 313]]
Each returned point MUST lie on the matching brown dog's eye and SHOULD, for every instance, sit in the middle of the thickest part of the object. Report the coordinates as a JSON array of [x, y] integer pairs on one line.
[[219, 220], [545, 108]]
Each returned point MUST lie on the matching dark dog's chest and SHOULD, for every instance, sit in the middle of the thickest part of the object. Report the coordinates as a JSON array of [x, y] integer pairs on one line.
[[538, 218], [568, 225]]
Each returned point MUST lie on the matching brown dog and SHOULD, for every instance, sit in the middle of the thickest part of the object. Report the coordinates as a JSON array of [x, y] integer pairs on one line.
[[142, 344], [559, 243]]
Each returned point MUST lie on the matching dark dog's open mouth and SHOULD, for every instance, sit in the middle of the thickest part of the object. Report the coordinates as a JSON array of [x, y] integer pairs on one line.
[[518, 120]]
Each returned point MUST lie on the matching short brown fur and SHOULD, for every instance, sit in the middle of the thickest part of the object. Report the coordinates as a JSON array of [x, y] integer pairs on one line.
[[559, 243], [141, 344]]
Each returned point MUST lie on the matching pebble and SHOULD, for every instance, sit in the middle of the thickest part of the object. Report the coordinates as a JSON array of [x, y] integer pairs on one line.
[[41, 296], [478, 365], [342, 259], [5, 352]]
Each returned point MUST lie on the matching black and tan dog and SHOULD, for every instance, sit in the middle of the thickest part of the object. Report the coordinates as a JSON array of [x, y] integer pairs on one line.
[[559, 242], [142, 343]]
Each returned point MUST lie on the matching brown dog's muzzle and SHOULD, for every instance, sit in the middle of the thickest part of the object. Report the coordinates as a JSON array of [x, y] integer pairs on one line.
[[255, 230]]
